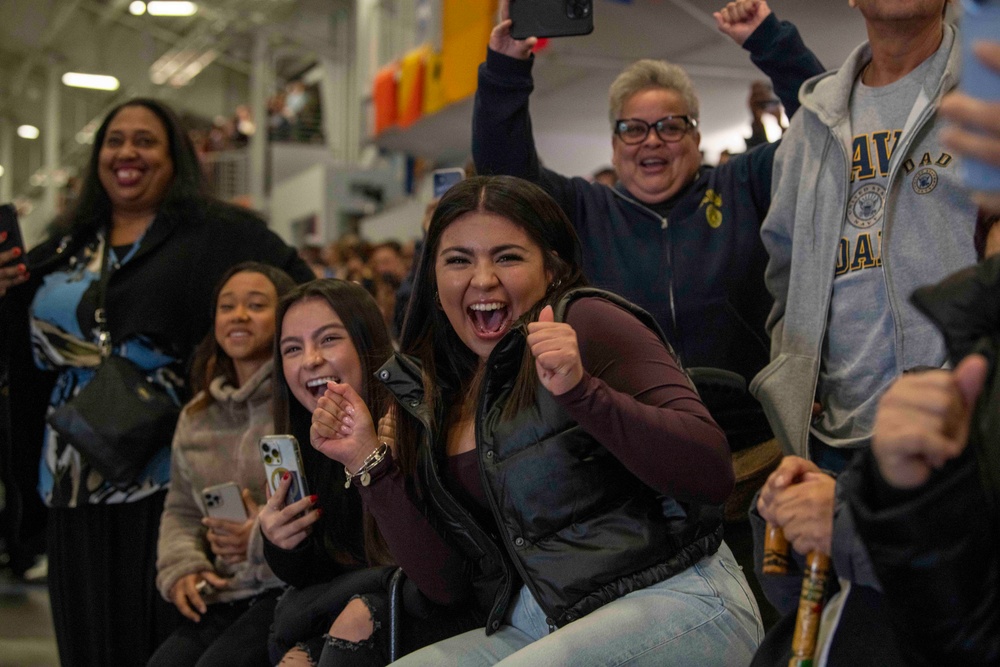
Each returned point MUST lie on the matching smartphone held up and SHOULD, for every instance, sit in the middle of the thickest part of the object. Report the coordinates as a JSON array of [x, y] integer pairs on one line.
[[551, 18], [281, 456], [224, 501], [445, 178]]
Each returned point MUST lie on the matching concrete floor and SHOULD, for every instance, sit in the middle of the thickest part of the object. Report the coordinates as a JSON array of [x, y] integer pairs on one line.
[[26, 635]]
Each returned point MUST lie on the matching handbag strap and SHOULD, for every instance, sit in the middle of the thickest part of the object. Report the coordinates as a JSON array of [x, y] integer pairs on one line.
[[100, 314]]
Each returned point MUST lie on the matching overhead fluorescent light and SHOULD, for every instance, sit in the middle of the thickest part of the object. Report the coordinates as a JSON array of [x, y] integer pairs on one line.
[[92, 81], [137, 8], [193, 68], [171, 8], [27, 132], [1, 171]]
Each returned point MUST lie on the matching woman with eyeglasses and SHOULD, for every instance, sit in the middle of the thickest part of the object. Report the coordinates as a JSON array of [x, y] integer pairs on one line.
[[678, 238]]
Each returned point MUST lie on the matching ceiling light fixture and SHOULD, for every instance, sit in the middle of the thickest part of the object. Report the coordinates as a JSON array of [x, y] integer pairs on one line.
[[27, 132], [171, 8], [137, 8], [92, 81]]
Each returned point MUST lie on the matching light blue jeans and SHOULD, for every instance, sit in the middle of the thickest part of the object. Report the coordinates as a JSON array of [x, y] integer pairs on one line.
[[704, 616]]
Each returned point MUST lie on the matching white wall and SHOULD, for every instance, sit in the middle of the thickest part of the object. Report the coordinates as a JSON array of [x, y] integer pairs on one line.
[[297, 197], [401, 222]]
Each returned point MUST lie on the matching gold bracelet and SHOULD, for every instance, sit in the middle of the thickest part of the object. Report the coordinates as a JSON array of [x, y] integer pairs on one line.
[[364, 472]]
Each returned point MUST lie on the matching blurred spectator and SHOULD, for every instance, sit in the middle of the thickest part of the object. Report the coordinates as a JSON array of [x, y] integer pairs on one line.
[[409, 251], [386, 258], [219, 135], [349, 257], [313, 256], [243, 126], [605, 176], [279, 128], [295, 100], [767, 113]]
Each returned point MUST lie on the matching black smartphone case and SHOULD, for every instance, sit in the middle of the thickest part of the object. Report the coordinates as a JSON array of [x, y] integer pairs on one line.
[[8, 223], [551, 18]]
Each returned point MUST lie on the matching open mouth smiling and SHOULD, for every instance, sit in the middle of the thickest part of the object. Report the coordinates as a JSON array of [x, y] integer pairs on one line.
[[317, 386], [489, 320], [128, 175], [652, 163]]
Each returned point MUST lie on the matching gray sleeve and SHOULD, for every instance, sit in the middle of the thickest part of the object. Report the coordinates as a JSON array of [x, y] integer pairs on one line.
[[850, 556], [182, 548]]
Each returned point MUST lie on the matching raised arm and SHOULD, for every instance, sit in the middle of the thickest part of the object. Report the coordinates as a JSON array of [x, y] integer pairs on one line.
[[344, 431], [775, 47], [502, 138], [634, 399]]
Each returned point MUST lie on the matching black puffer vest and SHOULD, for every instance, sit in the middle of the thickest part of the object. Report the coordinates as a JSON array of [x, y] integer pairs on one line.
[[574, 524]]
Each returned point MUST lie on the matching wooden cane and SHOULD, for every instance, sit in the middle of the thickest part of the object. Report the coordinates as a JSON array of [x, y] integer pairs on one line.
[[775, 550], [810, 609], [807, 618]]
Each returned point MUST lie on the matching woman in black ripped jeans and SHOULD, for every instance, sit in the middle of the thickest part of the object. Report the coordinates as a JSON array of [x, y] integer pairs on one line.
[[331, 331]]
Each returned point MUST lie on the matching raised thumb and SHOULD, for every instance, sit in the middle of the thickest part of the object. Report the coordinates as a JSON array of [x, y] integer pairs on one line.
[[970, 376], [546, 315]]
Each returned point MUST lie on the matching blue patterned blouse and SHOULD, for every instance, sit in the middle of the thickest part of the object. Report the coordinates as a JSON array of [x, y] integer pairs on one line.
[[64, 339]]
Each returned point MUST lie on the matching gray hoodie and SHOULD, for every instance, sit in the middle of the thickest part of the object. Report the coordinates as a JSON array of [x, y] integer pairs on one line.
[[929, 223], [212, 446]]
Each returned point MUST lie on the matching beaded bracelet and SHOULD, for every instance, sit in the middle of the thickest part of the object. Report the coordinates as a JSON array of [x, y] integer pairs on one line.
[[364, 472]]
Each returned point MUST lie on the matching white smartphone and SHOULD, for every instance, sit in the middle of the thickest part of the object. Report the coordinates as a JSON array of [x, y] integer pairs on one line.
[[224, 501], [445, 178], [280, 454]]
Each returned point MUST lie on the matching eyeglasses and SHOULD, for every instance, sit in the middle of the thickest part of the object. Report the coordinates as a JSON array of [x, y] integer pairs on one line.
[[669, 128]]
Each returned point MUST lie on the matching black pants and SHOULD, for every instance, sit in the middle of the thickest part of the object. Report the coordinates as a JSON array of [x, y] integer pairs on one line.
[[419, 627], [304, 617], [229, 633], [102, 572]]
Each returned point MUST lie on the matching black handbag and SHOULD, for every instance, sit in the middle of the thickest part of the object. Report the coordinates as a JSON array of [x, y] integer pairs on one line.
[[120, 419]]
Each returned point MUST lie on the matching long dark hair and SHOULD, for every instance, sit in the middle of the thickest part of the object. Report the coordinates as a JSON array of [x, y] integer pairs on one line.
[[210, 360], [428, 335], [93, 207], [367, 331]]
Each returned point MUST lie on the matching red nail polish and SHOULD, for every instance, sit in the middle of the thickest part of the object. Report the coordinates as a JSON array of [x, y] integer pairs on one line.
[[16, 251], [319, 511], [313, 498], [3, 236], [22, 269], [285, 476]]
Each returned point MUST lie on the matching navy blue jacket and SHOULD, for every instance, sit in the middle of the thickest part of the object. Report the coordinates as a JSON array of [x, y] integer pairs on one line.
[[700, 272]]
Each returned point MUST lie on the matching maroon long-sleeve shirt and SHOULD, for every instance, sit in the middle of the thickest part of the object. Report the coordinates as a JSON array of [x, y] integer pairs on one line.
[[633, 399]]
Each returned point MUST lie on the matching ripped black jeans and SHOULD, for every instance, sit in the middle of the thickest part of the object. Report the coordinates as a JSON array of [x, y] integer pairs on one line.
[[303, 618], [421, 624]]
